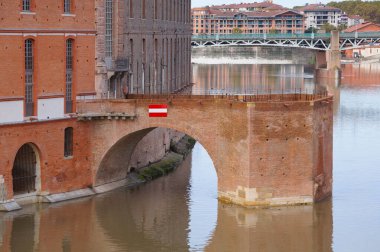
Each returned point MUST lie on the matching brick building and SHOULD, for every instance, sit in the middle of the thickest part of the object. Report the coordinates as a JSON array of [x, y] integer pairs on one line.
[[53, 53], [210, 20], [143, 45], [367, 52]]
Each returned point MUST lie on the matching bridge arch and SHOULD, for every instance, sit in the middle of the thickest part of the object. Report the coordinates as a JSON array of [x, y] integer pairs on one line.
[[115, 162]]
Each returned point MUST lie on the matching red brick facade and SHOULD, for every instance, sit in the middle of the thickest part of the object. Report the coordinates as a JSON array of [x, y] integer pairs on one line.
[[57, 173], [49, 27]]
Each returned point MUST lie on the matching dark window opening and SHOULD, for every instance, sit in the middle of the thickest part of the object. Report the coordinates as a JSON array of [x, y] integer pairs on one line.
[[68, 152], [26, 5], [24, 171], [67, 6]]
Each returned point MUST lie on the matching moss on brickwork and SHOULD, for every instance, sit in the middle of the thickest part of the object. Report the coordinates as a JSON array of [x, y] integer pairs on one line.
[[183, 146], [170, 162]]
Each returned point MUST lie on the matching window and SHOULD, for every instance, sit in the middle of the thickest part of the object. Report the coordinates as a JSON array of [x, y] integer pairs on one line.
[[155, 9], [29, 70], [26, 5], [68, 152], [69, 75], [109, 27], [67, 6], [131, 8], [143, 10]]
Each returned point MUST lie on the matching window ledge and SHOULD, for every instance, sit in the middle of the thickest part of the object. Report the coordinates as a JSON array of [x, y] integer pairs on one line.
[[27, 13], [68, 157], [68, 15], [30, 118]]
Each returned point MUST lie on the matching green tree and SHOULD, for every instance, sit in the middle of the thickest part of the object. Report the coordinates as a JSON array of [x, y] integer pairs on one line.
[[273, 31], [236, 30], [342, 27], [311, 30], [328, 27], [370, 11]]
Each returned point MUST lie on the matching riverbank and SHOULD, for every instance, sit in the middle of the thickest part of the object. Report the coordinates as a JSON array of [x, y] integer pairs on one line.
[[172, 160]]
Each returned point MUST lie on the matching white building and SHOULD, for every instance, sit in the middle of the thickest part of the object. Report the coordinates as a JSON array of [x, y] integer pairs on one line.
[[354, 20], [317, 15]]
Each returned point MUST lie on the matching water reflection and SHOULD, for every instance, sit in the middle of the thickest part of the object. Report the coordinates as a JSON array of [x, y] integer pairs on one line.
[[361, 75], [252, 79], [304, 228], [152, 217], [252, 70]]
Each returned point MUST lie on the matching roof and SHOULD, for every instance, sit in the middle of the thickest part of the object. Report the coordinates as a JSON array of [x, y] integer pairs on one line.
[[359, 27], [355, 17], [264, 5], [245, 5], [220, 13], [318, 7]]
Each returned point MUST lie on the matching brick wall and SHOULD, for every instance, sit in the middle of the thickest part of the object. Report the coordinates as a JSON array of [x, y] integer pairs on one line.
[[165, 31], [58, 174]]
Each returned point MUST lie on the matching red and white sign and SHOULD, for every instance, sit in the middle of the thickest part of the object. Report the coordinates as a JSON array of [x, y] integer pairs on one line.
[[158, 110]]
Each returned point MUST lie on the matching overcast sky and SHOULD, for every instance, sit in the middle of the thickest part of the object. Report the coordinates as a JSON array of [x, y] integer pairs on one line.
[[286, 3]]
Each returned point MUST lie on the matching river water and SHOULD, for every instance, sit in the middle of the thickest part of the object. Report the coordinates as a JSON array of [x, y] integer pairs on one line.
[[180, 212]]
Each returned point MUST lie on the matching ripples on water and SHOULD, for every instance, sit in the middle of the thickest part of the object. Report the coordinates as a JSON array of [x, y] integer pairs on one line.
[[180, 212]]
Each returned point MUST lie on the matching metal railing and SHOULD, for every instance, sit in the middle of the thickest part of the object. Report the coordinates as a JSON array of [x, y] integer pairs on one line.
[[283, 36], [269, 96]]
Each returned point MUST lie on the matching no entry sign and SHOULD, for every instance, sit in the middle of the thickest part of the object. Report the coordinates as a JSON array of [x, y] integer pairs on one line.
[[158, 110]]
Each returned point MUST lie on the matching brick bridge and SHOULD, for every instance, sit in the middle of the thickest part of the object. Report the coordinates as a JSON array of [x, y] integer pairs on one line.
[[267, 150]]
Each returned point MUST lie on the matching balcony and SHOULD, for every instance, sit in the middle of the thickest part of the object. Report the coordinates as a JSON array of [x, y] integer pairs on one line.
[[118, 65]]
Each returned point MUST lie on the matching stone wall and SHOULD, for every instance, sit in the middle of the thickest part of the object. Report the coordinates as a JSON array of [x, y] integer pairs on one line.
[[55, 172], [153, 147]]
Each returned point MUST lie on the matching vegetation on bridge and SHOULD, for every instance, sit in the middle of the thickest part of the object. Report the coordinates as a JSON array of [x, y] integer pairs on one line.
[[178, 152]]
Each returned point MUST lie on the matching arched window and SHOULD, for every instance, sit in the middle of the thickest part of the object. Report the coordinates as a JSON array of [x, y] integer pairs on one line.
[[67, 6], [69, 75], [68, 151], [26, 5], [24, 170], [29, 76]]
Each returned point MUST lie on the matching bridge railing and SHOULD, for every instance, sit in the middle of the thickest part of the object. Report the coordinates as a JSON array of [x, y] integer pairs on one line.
[[360, 35], [299, 95], [261, 36]]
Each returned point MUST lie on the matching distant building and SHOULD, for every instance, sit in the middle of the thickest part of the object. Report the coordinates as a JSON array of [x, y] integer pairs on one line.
[[372, 51], [209, 20], [317, 15], [354, 20]]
